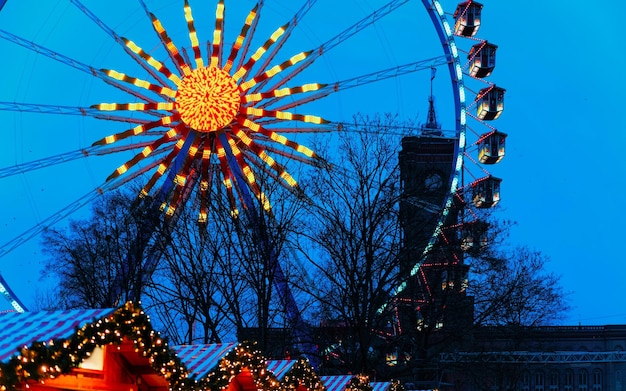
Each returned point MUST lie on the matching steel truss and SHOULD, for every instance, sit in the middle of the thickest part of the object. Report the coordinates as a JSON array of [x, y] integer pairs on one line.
[[516, 357]]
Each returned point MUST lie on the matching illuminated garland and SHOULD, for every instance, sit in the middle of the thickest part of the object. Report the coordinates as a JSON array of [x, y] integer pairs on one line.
[[236, 361], [47, 360], [396, 386], [359, 383], [302, 374]]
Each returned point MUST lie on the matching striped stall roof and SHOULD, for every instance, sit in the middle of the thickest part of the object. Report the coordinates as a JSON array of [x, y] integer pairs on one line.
[[380, 385], [280, 367], [23, 328], [201, 359], [336, 383]]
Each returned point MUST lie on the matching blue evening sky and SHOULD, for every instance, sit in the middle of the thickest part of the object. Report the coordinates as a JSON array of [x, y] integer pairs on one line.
[[560, 62]]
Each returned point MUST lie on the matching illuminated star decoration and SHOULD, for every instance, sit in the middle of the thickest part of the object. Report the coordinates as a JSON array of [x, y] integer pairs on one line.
[[213, 114]]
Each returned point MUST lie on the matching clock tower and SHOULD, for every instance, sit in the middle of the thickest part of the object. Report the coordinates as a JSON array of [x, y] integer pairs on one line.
[[426, 167], [434, 305]]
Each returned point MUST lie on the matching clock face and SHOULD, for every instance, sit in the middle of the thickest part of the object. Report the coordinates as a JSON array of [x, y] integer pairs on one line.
[[433, 182]]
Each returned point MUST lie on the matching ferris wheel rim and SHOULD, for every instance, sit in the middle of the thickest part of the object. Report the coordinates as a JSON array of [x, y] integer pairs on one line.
[[448, 43], [439, 20]]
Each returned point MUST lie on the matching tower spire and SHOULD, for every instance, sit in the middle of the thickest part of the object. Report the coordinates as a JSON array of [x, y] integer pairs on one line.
[[432, 127]]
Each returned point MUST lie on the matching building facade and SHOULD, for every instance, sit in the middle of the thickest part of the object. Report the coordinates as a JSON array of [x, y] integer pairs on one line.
[[548, 358], [448, 352]]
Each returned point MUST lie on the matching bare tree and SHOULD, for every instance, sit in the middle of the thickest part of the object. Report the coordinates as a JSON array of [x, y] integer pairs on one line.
[[513, 293], [98, 261], [188, 291], [218, 280], [354, 240], [513, 288]]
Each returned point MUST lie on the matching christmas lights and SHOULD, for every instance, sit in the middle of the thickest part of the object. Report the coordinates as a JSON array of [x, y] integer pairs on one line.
[[45, 360]]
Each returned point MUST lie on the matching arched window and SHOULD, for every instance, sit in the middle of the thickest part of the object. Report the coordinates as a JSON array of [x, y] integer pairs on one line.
[[539, 381], [554, 381], [526, 381], [569, 381], [597, 380], [583, 380]]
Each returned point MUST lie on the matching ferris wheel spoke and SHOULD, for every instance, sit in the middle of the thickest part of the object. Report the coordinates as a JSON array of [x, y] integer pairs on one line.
[[193, 35], [316, 161], [67, 157], [139, 172], [183, 175], [241, 43], [218, 36], [236, 174], [68, 210], [168, 44], [47, 223], [283, 39], [45, 162], [120, 40], [70, 62], [244, 69], [282, 115], [260, 153], [206, 178], [164, 92], [163, 167], [6, 290], [246, 123], [228, 177], [249, 29], [323, 128], [283, 92], [137, 130], [248, 174], [65, 110], [277, 175], [138, 50], [276, 171], [340, 38], [273, 71], [357, 81], [171, 135]]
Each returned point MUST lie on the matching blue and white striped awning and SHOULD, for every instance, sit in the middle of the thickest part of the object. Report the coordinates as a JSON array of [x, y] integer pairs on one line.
[[280, 367], [380, 385], [336, 383], [18, 329], [201, 359]]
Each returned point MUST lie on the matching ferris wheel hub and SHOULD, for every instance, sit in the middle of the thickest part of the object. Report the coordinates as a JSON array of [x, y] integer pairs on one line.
[[208, 99]]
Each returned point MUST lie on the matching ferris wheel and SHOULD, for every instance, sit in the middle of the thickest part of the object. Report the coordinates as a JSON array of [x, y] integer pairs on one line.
[[185, 95]]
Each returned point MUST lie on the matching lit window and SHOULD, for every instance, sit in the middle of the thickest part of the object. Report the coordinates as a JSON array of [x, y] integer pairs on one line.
[[95, 361]]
